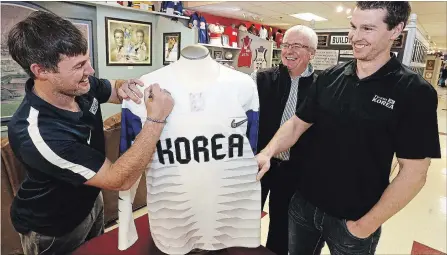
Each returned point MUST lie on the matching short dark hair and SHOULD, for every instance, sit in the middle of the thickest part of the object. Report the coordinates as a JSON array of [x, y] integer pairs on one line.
[[116, 31], [397, 11], [42, 38], [139, 31]]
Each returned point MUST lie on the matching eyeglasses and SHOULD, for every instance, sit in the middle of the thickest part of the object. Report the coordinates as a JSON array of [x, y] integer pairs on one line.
[[294, 46]]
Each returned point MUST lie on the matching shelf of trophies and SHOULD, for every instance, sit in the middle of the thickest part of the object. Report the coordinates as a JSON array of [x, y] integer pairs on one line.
[[222, 54], [219, 46]]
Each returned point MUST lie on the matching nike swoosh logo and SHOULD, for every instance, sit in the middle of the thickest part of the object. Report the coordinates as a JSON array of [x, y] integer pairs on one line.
[[235, 124]]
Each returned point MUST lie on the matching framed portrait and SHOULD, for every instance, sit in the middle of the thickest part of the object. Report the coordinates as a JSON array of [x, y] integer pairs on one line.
[[217, 54], [430, 64], [323, 40], [128, 43], [171, 47]]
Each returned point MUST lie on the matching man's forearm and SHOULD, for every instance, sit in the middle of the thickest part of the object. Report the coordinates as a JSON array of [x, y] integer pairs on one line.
[[396, 196], [286, 136], [129, 167]]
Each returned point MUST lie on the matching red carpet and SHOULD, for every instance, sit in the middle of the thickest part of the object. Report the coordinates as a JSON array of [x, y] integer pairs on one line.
[[420, 249], [107, 244]]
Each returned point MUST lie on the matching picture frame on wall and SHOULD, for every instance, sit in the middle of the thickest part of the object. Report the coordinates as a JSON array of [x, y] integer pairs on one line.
[[217, 54], [323, 40], [13, 76], [128, 42], [171, 47], [399, 42]]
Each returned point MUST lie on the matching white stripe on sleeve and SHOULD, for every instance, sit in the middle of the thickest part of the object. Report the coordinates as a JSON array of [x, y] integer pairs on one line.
[[47, 153]]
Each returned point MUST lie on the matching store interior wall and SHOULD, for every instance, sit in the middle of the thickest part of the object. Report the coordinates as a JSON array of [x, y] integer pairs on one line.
[[97, 14], [160, 25], [76, 11]]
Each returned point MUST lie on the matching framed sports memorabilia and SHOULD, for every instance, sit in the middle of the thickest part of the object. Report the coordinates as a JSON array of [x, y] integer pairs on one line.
[[128, 42], [217, 54], [171, 47], [323, 40]]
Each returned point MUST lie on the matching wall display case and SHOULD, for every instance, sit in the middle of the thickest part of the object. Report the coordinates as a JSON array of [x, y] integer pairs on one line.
[[256, 53]]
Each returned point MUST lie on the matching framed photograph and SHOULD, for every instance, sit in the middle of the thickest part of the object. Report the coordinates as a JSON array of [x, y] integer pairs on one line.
[[128, 43], [430, 65], [171, 47], [400, 41], [323, 40], [225, 40], [13, 76], [217, 54]]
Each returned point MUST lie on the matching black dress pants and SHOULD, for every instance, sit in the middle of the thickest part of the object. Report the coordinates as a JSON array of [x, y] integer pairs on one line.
[[280, 181]]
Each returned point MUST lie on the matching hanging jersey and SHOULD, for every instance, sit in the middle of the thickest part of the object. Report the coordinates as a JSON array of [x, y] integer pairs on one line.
[[260, 61], [232, 35], [202, 188], [263, 33], [193, 21], [203, 30], [245, 55], [278, 39]]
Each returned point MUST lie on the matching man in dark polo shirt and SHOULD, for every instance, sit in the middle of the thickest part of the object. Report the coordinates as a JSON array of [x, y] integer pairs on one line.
[[57, 133], [362, 113]]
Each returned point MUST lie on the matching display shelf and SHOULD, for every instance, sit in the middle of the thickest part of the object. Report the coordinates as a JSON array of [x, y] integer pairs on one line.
[[224, 60], [118, 6], [218, 46]]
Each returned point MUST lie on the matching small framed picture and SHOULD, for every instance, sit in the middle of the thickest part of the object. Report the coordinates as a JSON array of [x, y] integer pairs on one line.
[[171, 47], [217, 54], [225, 40], [323, 40]]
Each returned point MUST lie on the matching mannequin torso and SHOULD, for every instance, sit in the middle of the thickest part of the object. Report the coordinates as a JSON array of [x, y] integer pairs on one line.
[[203, 175]]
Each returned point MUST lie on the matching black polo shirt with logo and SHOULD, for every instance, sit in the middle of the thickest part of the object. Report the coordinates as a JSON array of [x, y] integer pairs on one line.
[[60, 150], [359, 124]]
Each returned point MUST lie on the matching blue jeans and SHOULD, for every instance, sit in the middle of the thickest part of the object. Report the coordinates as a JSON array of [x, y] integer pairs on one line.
[[310, 228]]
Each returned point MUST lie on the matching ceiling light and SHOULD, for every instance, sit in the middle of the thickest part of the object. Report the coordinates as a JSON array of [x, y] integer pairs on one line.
[[339, 8], [308, 16], [348, 11]]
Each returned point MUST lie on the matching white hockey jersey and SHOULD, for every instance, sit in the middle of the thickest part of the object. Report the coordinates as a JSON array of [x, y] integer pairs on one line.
[[202, 188]]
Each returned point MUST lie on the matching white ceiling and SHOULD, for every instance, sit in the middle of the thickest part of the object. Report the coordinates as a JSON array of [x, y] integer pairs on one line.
[[432, 16]]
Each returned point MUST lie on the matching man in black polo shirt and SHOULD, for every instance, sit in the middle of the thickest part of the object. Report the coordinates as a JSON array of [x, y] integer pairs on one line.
[[361, 112], [57, 133]]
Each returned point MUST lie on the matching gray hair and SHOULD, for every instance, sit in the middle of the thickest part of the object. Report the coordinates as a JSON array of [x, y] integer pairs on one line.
[[309, 32]]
